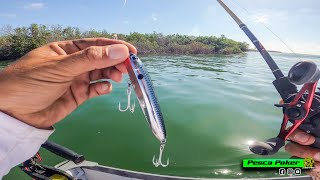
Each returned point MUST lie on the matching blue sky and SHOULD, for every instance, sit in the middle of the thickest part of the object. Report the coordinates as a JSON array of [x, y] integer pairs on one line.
[[296, 22]]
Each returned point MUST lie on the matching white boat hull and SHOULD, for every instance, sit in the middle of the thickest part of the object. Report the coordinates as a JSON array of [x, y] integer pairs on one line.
[[93, 171]]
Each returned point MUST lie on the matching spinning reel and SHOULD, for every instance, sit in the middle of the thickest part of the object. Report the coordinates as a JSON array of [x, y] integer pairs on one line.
[[301, 108]]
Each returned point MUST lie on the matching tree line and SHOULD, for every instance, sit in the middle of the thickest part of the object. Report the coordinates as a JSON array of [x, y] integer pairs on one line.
[[15, 42]]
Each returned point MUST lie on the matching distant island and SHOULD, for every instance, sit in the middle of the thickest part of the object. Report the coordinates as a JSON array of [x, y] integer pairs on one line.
[[16, 42]]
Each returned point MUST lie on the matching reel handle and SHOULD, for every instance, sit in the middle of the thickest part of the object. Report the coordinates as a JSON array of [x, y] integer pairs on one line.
[[268, 147], [272, 146]]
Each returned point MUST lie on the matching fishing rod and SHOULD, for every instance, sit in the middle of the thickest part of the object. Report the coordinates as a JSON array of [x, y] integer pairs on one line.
[[301, 108], [282, 84]]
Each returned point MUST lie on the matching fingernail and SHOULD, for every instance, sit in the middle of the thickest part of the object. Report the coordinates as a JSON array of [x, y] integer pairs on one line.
[[104, 87], [117, 51], [302, 137], [316, 157]]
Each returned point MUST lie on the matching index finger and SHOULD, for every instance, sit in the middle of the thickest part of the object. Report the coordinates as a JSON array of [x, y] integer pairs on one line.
[[72, 46]]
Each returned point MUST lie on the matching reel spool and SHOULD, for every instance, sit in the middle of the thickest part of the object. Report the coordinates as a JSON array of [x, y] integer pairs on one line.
[[304, 72]]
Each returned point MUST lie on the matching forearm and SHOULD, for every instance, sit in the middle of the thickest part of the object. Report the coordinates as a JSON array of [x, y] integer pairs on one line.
[[18, 142]]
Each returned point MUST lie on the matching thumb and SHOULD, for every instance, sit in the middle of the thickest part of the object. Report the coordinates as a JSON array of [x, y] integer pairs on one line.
[[93, 57]]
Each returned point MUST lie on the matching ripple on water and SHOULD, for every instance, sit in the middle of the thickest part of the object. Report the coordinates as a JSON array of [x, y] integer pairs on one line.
[[212, 106]]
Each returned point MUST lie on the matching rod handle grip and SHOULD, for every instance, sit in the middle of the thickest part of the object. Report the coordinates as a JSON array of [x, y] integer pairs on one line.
[[63, 152]]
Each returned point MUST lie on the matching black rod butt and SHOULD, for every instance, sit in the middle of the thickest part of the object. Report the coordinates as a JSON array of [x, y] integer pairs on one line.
[[63, 152]]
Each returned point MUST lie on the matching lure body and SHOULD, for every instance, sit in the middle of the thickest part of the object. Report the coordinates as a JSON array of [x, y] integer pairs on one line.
[[148, 101]]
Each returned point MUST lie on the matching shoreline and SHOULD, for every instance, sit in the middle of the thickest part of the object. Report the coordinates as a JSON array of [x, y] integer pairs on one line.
[[14, 43], [216, 54], [167, 54]]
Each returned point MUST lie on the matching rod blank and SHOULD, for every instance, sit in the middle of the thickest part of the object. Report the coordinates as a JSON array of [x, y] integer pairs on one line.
[[266, 56]]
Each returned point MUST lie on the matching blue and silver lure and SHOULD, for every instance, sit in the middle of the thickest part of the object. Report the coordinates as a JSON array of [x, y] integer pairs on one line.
[[141, 82]]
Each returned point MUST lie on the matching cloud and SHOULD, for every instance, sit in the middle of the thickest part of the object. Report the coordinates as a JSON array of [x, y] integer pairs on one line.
[[306, 47], [8, 15], [262, 19], [125, 22], [154, 17], [124, 3], [209, 13], [195, 31], [309, 11], [265, 16], [34, 6], [296, 46]]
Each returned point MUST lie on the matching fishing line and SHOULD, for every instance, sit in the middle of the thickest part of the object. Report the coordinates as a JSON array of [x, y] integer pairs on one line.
[[269, 29], [124, 4], [120, 19]]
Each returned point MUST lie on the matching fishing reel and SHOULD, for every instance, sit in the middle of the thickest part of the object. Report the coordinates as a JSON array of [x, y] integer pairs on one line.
[[302, 108]]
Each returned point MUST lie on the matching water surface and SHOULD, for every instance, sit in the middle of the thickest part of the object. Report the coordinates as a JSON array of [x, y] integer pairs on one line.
[[212, 105]]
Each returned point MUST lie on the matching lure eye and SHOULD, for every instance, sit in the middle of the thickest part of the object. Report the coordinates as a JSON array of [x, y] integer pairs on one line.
[[140, 76], [133, 57]]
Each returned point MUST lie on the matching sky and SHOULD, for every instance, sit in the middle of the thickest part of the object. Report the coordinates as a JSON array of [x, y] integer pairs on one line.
[[296, 22]]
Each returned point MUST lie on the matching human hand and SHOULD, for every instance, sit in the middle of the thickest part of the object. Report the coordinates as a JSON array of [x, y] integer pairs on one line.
[[302, 150], [48, 83]]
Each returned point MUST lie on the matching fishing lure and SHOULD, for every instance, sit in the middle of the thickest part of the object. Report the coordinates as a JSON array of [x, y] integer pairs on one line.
[[301, 108], [141, 82]]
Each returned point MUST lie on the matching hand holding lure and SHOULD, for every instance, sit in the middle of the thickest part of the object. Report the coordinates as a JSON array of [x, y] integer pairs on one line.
[[301, 108], [141, 82]]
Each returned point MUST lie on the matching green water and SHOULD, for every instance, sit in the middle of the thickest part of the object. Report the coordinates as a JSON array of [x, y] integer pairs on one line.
[[212, 107]]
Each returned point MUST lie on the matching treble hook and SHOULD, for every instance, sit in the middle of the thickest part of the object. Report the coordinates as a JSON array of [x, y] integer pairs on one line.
[[158, 162], [131, 108]]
